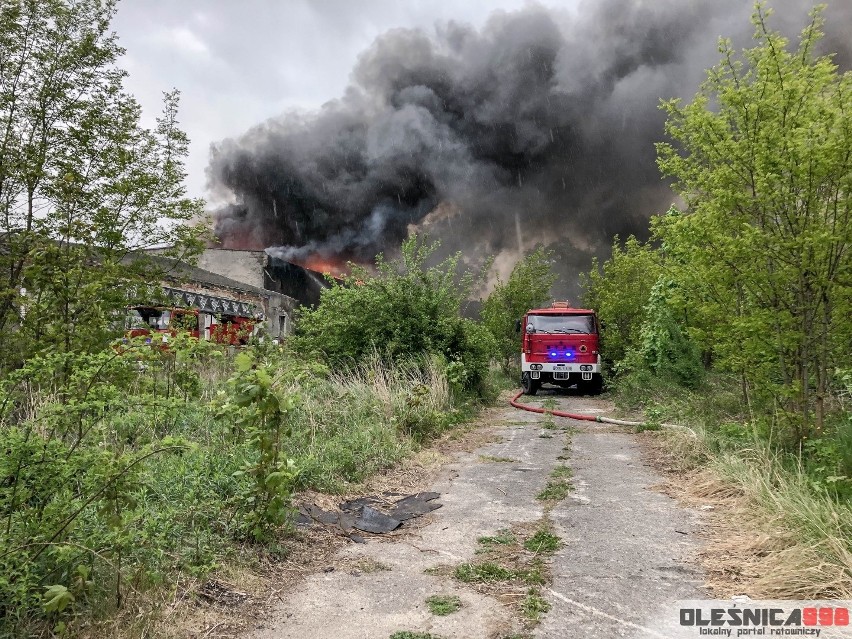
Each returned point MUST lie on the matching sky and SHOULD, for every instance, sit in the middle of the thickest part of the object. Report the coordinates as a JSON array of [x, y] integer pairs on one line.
[[340, 127], [238, 63]]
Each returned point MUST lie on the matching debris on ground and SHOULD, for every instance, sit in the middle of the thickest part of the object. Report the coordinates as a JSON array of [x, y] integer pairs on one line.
[[377, 514]]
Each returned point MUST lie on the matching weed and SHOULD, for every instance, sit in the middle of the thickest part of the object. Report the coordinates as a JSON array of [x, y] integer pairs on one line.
[[369, 566], [534, 576], [555, 490], [543, 542], [546, 435], [443, 605], [484, 572], [407, 634], [561, 471], [503, 537], [133, 463], [534, 605]]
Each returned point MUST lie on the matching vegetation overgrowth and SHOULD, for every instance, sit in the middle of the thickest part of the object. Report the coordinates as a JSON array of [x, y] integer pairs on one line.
[[128, 466], [736, 316], [143, 464]]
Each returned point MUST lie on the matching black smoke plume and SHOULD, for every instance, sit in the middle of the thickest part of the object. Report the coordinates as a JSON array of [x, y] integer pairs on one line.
[[538, 128]]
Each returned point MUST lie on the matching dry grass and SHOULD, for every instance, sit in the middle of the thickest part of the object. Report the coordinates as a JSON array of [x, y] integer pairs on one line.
[[767, 534]]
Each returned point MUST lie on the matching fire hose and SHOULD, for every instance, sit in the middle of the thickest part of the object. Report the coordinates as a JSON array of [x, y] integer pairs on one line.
[[590, 418]]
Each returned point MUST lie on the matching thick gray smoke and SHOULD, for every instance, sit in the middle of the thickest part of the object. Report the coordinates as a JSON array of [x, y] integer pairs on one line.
[[539, 128]]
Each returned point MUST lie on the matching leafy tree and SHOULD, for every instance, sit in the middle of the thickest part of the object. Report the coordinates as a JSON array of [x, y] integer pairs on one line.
[[82, 184], [528, 287], [619, 291], [663, 345], [405, 310], [763, 160]]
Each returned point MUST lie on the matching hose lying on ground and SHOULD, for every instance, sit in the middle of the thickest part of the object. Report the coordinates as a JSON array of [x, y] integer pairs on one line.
[[591, 418]]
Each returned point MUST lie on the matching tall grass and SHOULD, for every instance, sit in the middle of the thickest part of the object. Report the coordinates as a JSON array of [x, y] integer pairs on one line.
[[797, 530], [132, 452], [359, 421], [806, 552]]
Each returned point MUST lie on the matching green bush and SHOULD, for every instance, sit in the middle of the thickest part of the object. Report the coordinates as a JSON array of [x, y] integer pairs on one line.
[[406, 311], [664, 346], [619, 290]]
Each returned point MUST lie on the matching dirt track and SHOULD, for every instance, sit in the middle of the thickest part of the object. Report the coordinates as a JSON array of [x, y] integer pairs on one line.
[[626, 548]]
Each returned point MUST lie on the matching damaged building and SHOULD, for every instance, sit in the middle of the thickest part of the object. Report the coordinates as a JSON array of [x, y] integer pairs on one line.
[[230, 295]]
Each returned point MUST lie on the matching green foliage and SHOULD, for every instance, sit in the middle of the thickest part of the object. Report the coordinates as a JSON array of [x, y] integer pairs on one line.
[[543, 542], [534, 605], [762, 251], [259, 414], [443, 605], [82, 184], [406, 634], [619, 291], [76, 504], [528, 287], [503, 537], [120, 473], [406, 310], [483, 573], [555, 490], [561, 471], [664, 347]]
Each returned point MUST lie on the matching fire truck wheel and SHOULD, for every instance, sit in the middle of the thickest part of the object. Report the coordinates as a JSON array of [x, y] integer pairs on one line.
[[594, 387], [529, 384]]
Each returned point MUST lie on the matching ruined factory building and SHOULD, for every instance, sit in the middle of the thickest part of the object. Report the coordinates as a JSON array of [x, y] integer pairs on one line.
[[212, 305], [261, 270], [230, 292]]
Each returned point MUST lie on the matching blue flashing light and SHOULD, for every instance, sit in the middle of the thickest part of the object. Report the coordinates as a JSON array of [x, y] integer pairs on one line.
[[553, 354]]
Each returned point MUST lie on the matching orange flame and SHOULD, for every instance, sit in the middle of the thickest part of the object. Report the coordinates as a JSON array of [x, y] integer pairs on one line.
[[325, 265]]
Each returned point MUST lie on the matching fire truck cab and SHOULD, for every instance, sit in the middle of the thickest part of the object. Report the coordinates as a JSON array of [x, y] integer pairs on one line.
[[560, 346]]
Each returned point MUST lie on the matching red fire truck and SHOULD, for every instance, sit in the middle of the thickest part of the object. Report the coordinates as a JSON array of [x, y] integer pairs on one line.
[[560, 346]]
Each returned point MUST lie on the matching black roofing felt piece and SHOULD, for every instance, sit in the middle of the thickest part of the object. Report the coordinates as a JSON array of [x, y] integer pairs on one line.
[[374, 521], [354, 505], [323, 516], [361, 515], [414, 506], [346, 521]]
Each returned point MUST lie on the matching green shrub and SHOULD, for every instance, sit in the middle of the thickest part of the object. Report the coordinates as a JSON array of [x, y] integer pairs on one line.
[[118, 475], [407, 311]]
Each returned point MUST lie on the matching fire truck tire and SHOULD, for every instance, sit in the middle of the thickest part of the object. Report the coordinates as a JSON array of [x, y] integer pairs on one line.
[[529, 384], [594, 387]]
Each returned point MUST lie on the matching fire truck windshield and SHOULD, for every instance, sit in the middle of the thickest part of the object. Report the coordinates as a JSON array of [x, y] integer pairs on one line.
[[562, 323]]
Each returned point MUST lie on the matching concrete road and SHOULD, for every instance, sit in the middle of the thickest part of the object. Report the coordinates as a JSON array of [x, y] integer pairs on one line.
[[626, 550]]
